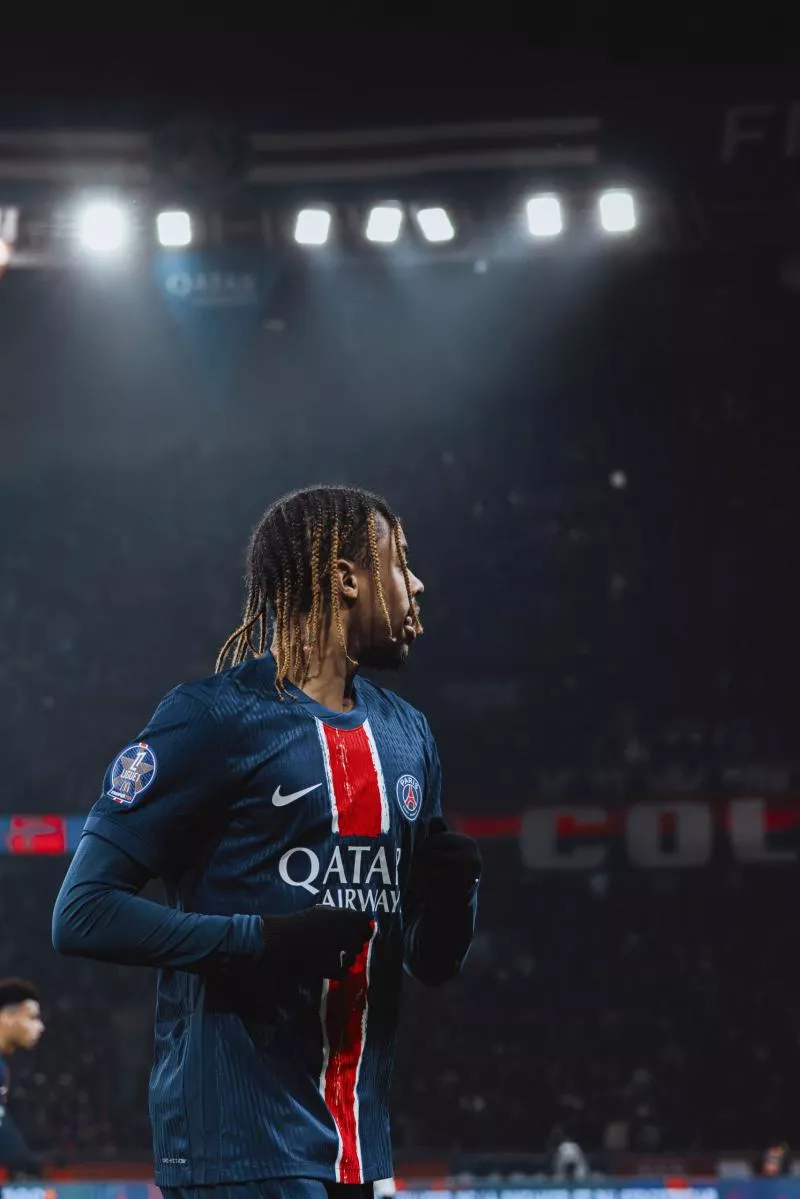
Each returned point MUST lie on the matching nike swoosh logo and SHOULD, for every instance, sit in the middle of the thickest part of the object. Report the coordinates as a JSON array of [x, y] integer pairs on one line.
[[280, 801]]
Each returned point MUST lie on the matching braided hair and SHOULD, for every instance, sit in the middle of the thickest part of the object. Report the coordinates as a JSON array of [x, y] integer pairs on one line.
[[291, 572]]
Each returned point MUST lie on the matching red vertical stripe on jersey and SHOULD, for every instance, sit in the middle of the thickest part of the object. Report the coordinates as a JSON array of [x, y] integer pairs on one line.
[[356, 786], [346, 1006], [357, 796]]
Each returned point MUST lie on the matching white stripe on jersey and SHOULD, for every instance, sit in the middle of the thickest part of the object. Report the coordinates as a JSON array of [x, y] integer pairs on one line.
[[326, 758], [376, 762], [326, 1057], [364, 1017]]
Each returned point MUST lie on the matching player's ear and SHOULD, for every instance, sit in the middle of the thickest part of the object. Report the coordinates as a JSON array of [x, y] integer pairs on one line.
[[348, 580]]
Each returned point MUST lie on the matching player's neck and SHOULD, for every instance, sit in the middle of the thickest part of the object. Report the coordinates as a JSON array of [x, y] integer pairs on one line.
[[6, 1047], [329, 681]]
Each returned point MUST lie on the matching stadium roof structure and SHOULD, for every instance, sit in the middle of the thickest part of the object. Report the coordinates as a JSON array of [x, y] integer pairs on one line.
[[725, 174]]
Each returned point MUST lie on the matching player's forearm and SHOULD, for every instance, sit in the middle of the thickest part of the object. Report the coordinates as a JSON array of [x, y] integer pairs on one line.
[[99, 922], [437, 940], [98, 914]]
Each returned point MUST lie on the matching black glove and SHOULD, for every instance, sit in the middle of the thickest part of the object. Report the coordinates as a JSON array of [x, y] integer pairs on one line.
[[321, 941], [446, 866]]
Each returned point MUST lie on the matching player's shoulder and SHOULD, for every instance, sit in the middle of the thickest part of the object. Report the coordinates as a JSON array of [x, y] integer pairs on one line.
[[391, 706], [229, 691]]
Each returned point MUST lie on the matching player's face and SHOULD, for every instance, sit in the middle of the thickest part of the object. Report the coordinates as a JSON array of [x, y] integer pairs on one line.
[[377, 648], [23, 1024]]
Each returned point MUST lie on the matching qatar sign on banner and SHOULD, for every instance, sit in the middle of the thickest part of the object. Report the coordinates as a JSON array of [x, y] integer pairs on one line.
[[217, 300], [661, 834]]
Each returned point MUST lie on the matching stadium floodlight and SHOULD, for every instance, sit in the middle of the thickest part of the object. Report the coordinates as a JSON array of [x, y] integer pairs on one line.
[[103, 227], [174, 229], [435, 224], [384, 223], [544, 215], [617, 211], [312, 227]]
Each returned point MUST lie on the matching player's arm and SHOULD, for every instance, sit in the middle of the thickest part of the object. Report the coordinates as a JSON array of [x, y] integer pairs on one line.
[[442, 901], [161, 801], [100, 914]]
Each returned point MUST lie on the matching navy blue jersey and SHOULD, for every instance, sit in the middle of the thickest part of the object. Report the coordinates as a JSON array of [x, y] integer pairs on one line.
[[15, 1156], [5, 1078], [248, 804]]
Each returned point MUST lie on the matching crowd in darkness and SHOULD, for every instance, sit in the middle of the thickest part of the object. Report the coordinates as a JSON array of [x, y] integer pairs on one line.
[[635, 1014], [598, 480]]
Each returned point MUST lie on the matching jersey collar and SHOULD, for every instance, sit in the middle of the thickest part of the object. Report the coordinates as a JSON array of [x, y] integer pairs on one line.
[[337, 720]]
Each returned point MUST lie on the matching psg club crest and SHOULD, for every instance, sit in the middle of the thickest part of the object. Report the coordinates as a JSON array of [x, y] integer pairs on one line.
[[132, 773], [409, 796]]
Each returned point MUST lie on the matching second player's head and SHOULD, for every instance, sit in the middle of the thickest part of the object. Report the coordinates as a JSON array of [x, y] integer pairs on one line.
[[21, 1023], [327, 567]]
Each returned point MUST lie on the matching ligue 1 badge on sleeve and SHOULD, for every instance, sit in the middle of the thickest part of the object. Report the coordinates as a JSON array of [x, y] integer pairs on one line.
[[409, 796], [132, 773]]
